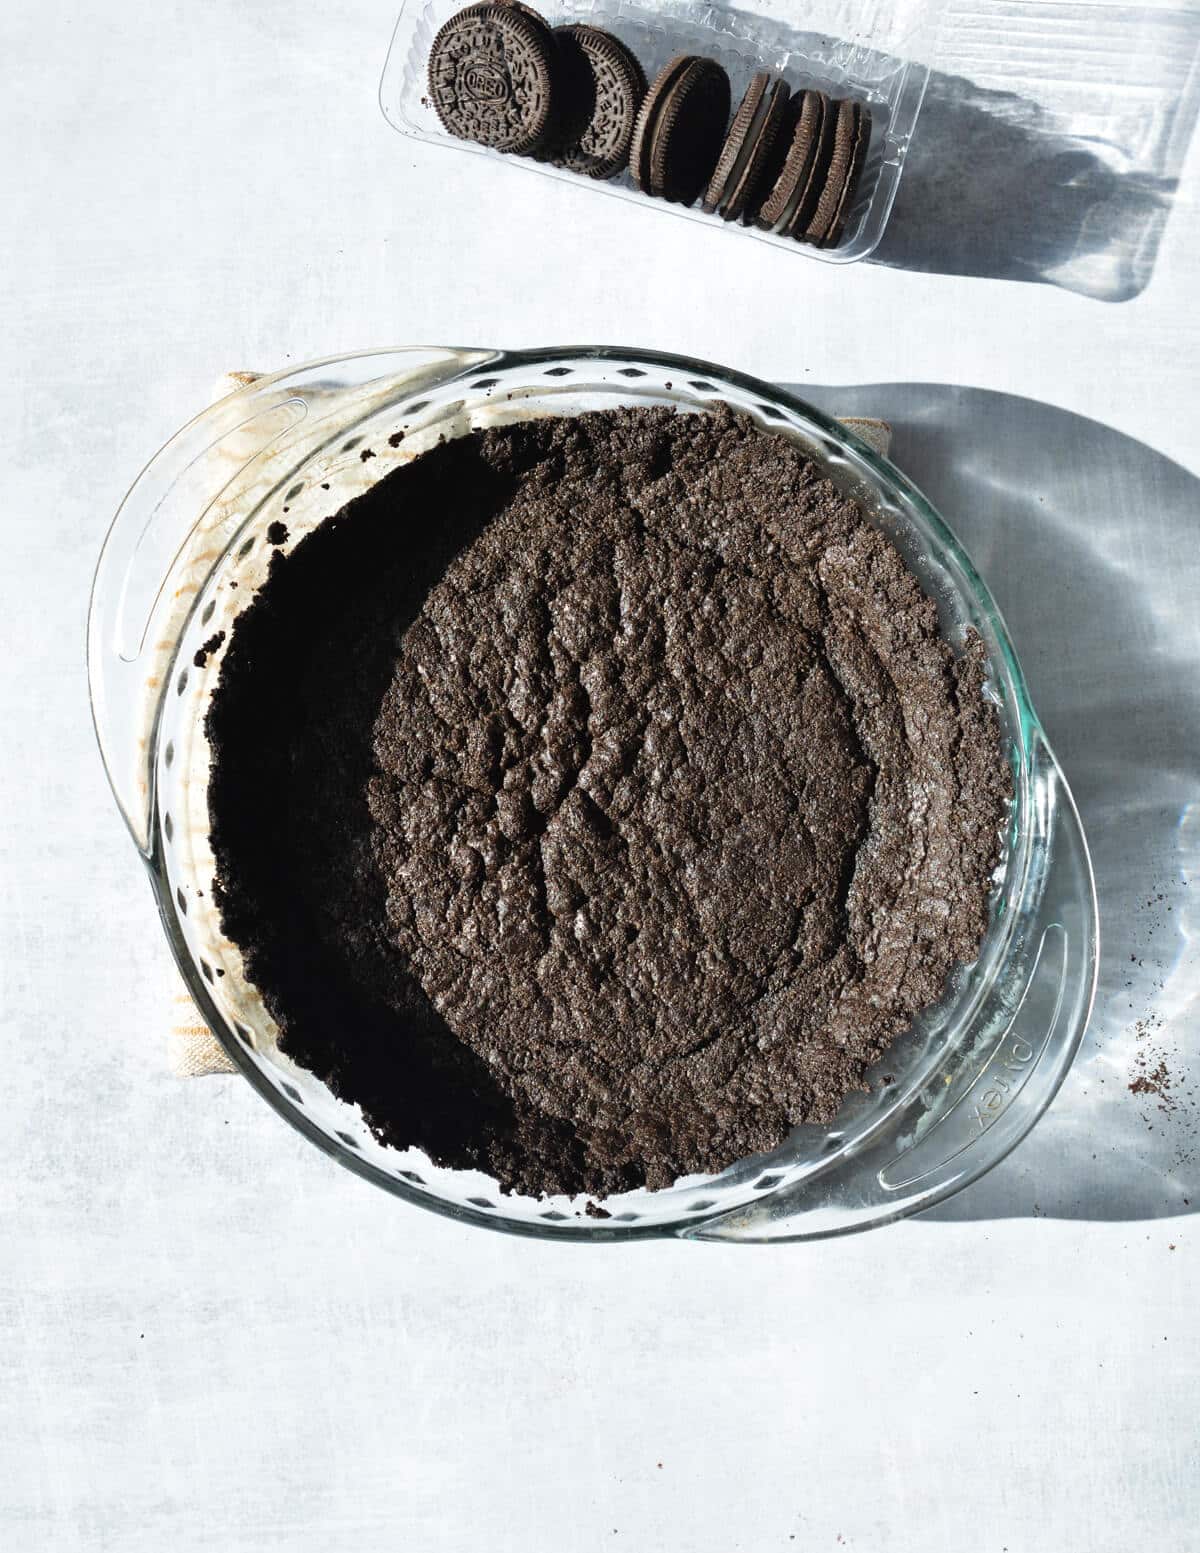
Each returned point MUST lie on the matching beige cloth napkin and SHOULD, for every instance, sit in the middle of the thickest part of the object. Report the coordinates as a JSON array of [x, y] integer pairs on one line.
[[192, 1049]]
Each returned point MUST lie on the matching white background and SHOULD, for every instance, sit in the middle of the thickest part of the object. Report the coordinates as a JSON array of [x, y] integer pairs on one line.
[[212, 1337]]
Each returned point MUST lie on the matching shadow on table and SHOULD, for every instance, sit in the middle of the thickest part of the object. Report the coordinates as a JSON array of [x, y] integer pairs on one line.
[[1088, 540], [1049, 147]]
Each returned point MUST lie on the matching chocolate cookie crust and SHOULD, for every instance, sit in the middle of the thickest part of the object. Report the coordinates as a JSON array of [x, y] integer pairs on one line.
[[613, 800]]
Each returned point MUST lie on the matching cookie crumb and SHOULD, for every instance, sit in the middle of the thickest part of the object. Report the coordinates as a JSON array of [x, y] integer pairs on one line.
[[202, 654]]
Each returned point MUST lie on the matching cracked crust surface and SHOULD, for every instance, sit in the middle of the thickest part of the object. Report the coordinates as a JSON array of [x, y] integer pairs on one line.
[[669, 809]]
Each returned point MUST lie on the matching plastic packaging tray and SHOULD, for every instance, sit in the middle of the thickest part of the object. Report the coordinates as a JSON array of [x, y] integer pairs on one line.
[[871, 51]]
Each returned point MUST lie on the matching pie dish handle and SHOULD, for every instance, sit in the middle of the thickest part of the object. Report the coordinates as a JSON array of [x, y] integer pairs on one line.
[[181, 512], [1030, 1027]]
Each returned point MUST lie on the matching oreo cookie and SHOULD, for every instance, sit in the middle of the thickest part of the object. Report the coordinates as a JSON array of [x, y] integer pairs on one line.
[[796, 185], [573, 98], [577, 97], [491, 77], [643, 127], [745, 157], [616, 85], [852, 136], [679, 130]]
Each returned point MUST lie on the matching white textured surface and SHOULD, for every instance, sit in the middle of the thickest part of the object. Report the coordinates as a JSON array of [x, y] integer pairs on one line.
[[213, 1338]]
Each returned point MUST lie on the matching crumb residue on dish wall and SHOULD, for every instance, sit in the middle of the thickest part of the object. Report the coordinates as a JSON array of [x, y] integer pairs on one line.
[[203, 653]]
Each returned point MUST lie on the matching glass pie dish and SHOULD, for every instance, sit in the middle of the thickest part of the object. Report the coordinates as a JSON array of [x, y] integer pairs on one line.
[[960, 1089]]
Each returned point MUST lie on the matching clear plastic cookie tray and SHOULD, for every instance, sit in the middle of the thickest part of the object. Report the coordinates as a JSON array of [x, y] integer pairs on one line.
[[874, 52]]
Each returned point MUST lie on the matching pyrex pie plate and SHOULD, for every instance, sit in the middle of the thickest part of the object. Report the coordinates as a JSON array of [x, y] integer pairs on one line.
[[962, 1087]]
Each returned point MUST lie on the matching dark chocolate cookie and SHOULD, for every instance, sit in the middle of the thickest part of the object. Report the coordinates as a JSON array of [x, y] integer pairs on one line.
[[573, 98], [600, 148], [491, 77], [511, 5], [797, 187], [678, 134], [748, 147], [851, 139], [643, 126]]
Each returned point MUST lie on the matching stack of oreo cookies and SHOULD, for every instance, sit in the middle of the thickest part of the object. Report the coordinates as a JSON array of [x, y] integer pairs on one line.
[[813, 168], [576, 97], [500, 76]]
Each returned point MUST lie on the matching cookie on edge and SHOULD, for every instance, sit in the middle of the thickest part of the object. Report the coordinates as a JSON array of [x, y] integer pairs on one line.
[[643, 125], [749, 144], [679, 131], [828, 222], [600, 148], [491, 77], [573, 98], [797, 182]]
